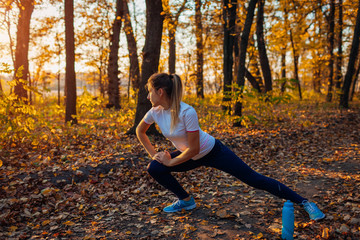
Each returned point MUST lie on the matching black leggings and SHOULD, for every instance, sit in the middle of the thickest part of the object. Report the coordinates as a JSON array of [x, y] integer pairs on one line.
[[222, 158]]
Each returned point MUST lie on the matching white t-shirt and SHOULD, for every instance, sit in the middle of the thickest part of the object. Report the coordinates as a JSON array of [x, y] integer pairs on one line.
[[188, 122]]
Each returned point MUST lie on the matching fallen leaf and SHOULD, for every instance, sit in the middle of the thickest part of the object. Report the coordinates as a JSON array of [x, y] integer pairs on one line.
[[69, 223], [325, 233]]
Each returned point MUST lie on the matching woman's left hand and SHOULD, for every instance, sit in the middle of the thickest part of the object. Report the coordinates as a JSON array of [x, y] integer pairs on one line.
[[163, 158]]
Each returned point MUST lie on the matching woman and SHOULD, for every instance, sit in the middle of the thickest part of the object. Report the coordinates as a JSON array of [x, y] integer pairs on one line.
[[179, 123]]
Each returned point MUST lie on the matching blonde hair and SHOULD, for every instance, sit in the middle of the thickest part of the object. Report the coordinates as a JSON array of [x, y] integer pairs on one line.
[[172, 85]]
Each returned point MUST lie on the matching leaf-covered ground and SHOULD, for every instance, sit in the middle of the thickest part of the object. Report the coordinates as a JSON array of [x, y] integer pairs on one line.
[[93, 184]]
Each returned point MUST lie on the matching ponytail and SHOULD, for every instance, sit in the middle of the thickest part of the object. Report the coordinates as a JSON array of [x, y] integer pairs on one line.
[[175, 99], [172, 85]]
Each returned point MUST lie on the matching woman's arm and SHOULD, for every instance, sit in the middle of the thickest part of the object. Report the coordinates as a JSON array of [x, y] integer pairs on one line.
[[190, 152], [144, 139]]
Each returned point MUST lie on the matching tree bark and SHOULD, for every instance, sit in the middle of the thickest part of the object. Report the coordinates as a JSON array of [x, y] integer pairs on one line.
[[264, 61], [340, 46], [296, 60], [133, 56], [172, 48], [113, 67], [252, 80], [317, 69], [353, 85], [70, 77], [254, 68], [243, 49], [331, 50], [283, 69], [283, 50], [21, 63], [199, 50], [151, 55], [344, 96], [229, 17]]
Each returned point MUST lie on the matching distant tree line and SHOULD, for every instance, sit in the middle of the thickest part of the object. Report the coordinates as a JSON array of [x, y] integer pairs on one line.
[[299, 42]]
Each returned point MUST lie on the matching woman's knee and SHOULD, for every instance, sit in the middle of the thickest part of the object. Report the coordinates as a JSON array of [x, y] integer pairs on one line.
[[155, 168]]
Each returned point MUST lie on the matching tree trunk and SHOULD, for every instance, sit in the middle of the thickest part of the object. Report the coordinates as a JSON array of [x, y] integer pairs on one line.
[[151, 55], [340, 50], [172, 23], [172, 48], [101, 85], [283, 69], [59, 48], [317, 79], [254, 83], [296, 59], [199, 50], [229, 17], [254, 64], [353, 85], [344, 96], [243, 49], [113, 68], [317, 69], [264, 61], [21, 64], [133, 56], [283, 51], [331, 50], [70, 77]]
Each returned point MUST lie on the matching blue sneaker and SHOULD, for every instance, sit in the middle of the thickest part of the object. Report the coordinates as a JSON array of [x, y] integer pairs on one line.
[[180, 205], [314, 212]]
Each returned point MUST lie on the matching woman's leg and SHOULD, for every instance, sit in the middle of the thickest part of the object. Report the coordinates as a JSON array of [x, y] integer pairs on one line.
[[162, 174], [227, 161]]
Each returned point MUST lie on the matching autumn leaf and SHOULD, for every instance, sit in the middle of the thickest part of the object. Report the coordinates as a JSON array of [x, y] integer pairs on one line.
[[325, 233], [46, 222], [69, 223], [259, 236], [13, 228]]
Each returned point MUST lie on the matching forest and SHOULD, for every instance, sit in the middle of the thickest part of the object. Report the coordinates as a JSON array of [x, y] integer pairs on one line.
[[277, 81]]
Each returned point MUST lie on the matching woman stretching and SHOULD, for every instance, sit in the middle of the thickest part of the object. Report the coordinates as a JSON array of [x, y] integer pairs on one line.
[[179, 123]]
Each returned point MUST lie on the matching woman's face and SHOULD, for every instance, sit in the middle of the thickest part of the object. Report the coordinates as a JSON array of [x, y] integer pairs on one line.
[[154, 96]]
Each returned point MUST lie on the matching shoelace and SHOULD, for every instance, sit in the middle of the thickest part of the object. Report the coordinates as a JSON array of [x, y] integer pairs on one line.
[[310, 207], [176, 203]]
